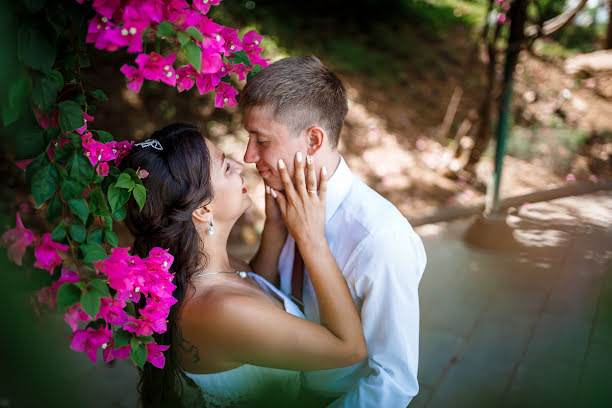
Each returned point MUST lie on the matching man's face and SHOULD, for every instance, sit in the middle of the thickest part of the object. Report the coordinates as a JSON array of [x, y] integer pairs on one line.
[[270, 141]]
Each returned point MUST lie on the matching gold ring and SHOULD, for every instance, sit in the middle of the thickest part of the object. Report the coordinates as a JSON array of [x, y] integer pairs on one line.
[[312, 191]]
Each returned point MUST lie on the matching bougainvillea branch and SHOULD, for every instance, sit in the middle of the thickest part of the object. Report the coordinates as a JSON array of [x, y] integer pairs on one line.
[[113, 301]]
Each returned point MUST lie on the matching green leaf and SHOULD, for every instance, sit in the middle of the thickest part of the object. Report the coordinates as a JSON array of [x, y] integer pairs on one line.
[[15, 105], [81, 285], [104, 137], [28, 136], [241, 57], [90, 302], [57, 77], [108, 223], [99, 286], [67, 295], [120, 213], [33, 5], [71, 189], [166, 29], [97, 202], [125, 181], [71, 116], [59, 232], [63, 155], [45, 183], [38, 163], [79, 207], [117, 197], [140, 195], [81, 168], [54, 210], [111, 238], [138, 352], [96, 236], [183, 38], [93, 252], [195, 33], [77, 232], [122, 338], [194, 55], [146, 339], [44, 92], [34, 48], [80, 99]]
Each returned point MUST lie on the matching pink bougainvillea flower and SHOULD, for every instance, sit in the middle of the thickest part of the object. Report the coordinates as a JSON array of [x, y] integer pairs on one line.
[[87, 118], [120, 149], [501, 18], [75, 314], [46, 253], [156, 67], [46, 120], [17, 240], [204, 5], [207, 82], [90, 340], [102, 169], [96, 151], [112, 311], [142, 173], [48, 295], [211, 63], [185, 78], [106, 7], [231, 41], [134, 76], [155, 354], [226, 95], [140, 327], [251, 42], [241, 70], [154, 9], [23, 164], [110, 352]]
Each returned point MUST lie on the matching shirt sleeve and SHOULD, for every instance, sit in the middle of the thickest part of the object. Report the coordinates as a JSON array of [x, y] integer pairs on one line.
[[386, 271]]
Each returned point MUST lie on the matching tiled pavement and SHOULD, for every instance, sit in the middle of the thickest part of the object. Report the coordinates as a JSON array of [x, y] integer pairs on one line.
[[517, 329], [522, 328]]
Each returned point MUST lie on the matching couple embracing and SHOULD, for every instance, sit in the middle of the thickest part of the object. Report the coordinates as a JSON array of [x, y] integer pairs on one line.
[[327, 312]]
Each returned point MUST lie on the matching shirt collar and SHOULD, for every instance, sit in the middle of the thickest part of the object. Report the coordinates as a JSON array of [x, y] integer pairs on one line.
[[338, 187]]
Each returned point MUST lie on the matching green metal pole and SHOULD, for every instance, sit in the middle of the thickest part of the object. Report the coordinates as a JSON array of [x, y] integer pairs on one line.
[[500, 147]]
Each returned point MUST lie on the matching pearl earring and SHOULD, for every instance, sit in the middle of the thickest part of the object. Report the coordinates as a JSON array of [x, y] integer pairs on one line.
[[211, 230]]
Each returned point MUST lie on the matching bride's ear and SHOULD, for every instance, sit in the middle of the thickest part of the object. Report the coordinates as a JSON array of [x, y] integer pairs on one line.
[[202, 214]]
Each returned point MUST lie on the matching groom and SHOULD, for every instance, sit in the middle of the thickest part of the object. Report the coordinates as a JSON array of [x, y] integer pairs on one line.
[[298, 105]]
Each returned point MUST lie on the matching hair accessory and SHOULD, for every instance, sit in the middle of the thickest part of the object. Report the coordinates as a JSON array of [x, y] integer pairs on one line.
[[211, 230], [154, 143]]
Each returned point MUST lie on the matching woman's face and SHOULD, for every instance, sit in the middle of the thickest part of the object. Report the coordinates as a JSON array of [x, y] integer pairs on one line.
[[230, 197]]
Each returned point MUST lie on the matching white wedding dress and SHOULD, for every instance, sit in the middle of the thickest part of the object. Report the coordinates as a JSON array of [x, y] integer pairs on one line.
[[248, 384]]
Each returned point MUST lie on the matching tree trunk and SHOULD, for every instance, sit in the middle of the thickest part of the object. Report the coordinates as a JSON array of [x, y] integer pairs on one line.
[[608, 44]]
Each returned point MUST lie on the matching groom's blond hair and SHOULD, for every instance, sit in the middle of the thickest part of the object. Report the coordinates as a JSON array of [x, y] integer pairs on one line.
[[299, 92]]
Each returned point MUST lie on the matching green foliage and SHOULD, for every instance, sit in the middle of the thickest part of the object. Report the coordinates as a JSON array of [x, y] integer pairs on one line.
[[138, 352], [68, 294]]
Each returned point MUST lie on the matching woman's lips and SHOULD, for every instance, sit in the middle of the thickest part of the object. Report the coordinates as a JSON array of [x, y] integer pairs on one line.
[[244, 190]]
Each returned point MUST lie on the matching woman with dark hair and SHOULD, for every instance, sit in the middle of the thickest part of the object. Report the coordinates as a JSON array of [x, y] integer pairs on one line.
[[232, 332]]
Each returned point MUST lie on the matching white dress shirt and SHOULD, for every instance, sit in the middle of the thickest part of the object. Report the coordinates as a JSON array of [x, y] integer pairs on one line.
[[382, 260]]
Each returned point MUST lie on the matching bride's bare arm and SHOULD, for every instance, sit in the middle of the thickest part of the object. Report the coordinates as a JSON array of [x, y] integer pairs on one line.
[[246, 329]]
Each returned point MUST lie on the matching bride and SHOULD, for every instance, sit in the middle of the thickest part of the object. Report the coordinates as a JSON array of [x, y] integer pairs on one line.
[[232, 332]]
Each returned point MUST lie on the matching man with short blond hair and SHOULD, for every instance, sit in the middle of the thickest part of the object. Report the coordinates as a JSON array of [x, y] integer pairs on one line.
[[298, 105]]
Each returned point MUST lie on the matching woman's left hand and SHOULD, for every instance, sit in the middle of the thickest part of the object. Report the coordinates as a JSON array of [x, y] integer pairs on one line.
[[303, 205]]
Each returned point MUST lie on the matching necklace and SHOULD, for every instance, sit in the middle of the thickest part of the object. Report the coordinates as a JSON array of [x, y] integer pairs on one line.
[[242, 274]]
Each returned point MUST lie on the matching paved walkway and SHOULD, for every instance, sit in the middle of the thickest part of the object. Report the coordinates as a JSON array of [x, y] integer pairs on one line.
[[515, 329], [521, 329]]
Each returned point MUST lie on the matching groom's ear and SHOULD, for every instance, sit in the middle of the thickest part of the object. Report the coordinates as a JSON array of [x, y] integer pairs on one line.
[[316, 136], [202, 214]]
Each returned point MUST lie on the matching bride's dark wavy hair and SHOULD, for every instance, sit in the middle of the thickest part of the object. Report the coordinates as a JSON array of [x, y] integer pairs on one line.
[[177, 184]]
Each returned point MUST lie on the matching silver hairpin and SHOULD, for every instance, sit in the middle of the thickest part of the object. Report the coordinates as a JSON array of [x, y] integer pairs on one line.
[[154, 143]]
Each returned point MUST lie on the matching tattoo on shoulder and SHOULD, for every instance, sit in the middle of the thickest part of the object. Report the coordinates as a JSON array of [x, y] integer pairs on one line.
[[186, 346]]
